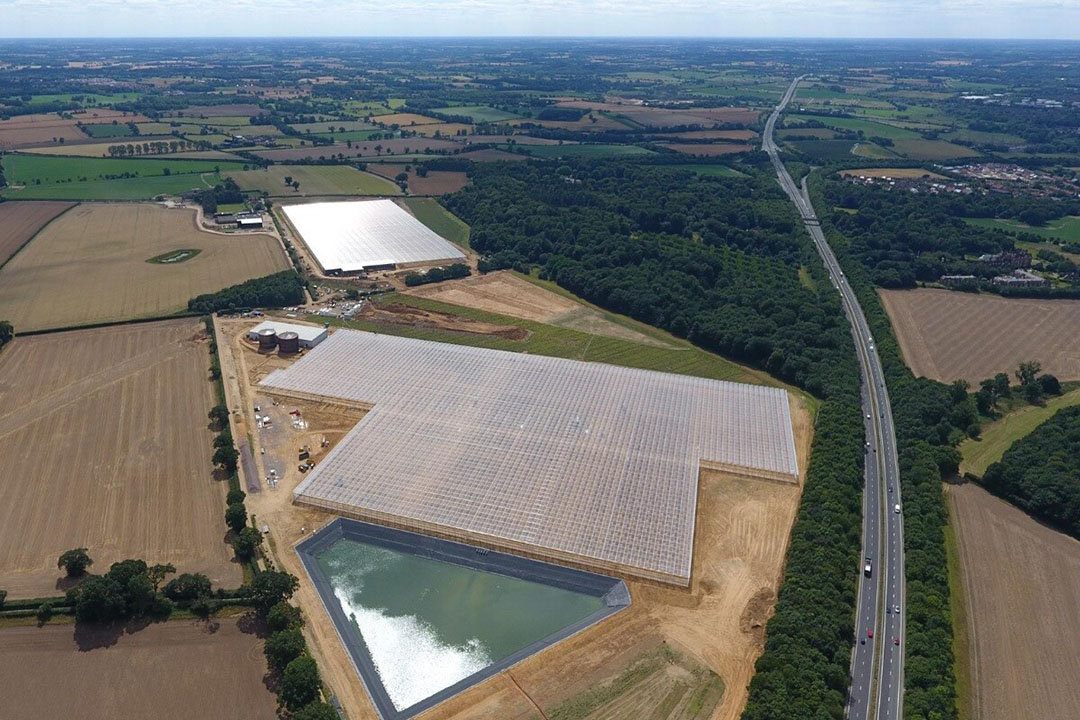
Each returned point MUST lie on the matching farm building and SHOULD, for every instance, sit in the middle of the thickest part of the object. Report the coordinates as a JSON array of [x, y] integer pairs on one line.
[[564, 460], [249, 221], [368, 234], [308, 336]]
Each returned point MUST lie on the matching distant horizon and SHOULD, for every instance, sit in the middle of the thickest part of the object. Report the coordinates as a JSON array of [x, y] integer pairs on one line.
[[826, 38], [589, 19]]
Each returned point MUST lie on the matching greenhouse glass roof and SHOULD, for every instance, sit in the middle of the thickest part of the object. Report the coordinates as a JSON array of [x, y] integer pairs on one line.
[[574, 460]]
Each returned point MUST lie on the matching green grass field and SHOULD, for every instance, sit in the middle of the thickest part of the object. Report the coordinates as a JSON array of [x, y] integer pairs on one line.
[[1066, 229], [440, 220], [138, 188], [87, 99], [868, 127], [314, 180], [108, 130], [586, 150], [919, 149], [708, 170], [872, 150], [824, 150], [52, 169], [478, 113], [998, 436]]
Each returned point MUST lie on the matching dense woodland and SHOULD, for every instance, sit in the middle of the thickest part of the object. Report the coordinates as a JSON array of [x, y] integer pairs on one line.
[[1040, 473], [903, 238], [713, 261]]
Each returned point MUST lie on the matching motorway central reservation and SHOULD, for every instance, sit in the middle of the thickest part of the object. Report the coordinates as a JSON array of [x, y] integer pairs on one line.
[[561, 459]]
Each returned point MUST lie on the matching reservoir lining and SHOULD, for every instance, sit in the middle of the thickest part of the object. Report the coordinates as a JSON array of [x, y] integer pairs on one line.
[[612, 593]]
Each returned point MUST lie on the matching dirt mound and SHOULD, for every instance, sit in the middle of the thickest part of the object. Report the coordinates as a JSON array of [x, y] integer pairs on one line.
[[401, 314]]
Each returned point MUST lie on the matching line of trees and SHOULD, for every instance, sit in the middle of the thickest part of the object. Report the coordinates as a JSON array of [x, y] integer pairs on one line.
[[437, 274], [277, 290], [1040, 473], [154, 147]]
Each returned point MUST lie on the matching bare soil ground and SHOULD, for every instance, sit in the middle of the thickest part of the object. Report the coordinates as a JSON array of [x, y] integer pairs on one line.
[[36, 130], [104, 444], [1021, 581], [90, 266], [949, 336], [20, 221], [436, 182], [742, 535], [507, 294], [173, 670], [401, 314], [707, 150]]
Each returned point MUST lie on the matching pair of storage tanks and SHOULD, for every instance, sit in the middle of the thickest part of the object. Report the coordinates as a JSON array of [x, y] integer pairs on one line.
[[287, 342]]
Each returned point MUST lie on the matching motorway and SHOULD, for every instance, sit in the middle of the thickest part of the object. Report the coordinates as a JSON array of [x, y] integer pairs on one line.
[[877, 665]]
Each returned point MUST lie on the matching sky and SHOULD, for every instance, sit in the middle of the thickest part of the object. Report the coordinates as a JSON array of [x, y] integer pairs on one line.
[[1058, 19]]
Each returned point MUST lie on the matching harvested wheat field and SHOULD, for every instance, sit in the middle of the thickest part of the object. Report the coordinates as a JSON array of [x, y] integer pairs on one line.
[[1020, 581], [179, 669], [505, 293], [37, 129], [90, 266], [949, 336], [104, 444], [20, 221]]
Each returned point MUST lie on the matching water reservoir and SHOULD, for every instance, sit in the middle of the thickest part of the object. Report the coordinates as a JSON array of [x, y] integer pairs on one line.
[[425, 618]]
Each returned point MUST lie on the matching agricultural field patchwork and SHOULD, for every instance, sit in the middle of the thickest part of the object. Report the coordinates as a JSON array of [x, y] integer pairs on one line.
[[89, 266], [104, 444], [946, 335]]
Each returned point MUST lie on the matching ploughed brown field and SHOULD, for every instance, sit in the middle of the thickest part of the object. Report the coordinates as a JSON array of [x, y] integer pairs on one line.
[[105, 444], [180, 669], [37, 129], [361, 148], [436, 182], [1021, 581], [20, 221], [90, 266], [948, 335]]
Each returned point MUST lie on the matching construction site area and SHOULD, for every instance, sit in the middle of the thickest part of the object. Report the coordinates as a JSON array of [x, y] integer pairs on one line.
[[721, 557]]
